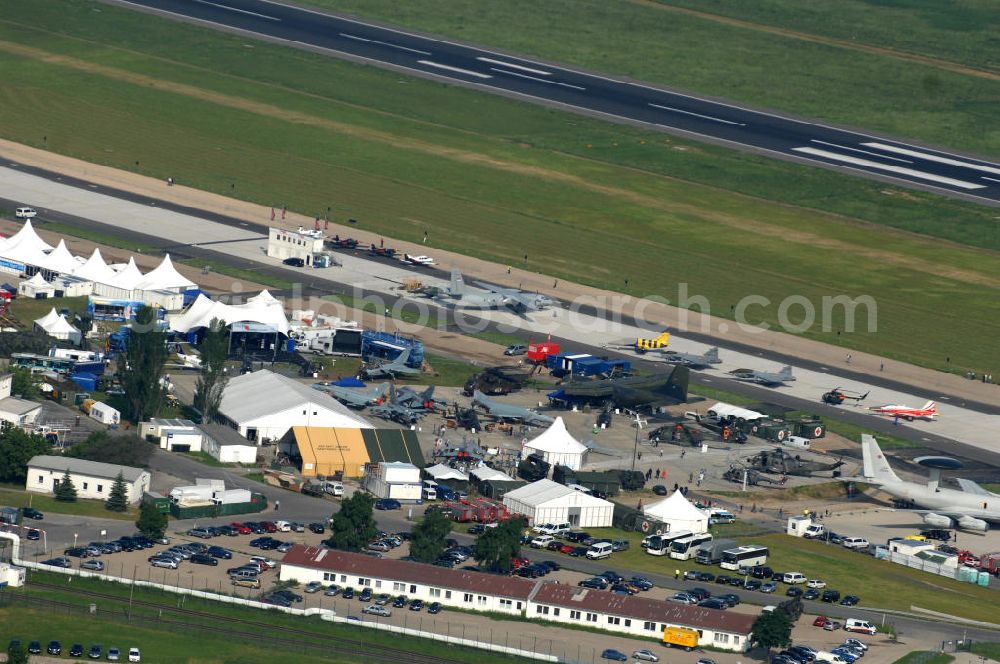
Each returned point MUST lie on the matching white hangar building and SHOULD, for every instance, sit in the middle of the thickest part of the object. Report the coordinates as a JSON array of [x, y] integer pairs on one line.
[[546, 501]]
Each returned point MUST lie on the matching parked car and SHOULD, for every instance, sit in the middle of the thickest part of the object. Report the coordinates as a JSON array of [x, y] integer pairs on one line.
[[114, 654], [816, 583], [515, 349], [204, 559], [768, 587], [811, 593], [76, 650], [850, 600], [659, 490], [35, 648], [317, 527], [830, 596], [313, 587], [794, 591], [33, 534], [614, 655], [387, 504], [754, 584], [159, 561], [434, 607], [400, 601], [376, 610], [31, 513], [645, 656], [92, 565], [134, 655], [732, 598], [95, 652], [294, 262], [55, 648], [416, 605]]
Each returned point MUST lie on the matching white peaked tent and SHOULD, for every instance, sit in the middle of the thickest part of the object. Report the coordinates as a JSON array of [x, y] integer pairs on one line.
[[95, 269], [165, 277], [558, 446], [441, 473], [678, 512], [26, 239], [36, 286], [60, 260], [264, 298], [58, 327], [127, 278], [203, 310]]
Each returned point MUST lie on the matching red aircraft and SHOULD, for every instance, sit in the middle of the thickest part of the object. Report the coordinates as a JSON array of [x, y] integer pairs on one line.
[[927, 412]]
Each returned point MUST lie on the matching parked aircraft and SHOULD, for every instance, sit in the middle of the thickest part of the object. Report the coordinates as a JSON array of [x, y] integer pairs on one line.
[[693, 360], [505, 411], [187, 362], [641, 344], [391, 369], [356, 397], [972, 508], [631, 391], [425, 261], [837, 396], [414, 400], [519, 301], [766, 378], [457, 294], [926, 412]]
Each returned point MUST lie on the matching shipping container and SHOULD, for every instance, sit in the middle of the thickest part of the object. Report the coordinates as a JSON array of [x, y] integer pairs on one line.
[[230, 496], [537, 353], [162, 502], [258, 503]]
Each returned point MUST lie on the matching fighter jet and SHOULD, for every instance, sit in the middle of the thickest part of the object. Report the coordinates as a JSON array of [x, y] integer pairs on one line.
[[414, 400], [397, 367], [972, 508], [927, 412], [508, 412], [394, 412], [765, 378], [457, 294], [355, 397], [693, 360], [631, 391], [519, 301]]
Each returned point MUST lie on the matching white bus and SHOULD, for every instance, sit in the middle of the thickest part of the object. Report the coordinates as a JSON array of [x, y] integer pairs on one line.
[[686, 547], [659, 545], [744, 556]]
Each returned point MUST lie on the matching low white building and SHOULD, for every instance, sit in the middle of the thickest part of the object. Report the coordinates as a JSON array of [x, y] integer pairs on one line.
[[92, 479], [546, 501], [558, 446], [264, 405], [302, 243], [226, 445], [173, 434], [19, 412], [11, 576], [455, 588], [639, 616], [394, 479], [36, 288], [677, 513]]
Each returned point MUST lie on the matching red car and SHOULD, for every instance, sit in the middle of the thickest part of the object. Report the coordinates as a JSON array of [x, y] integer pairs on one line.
[[566, 548], [269, 527], [820, 621], [240, 528], [519, 562]]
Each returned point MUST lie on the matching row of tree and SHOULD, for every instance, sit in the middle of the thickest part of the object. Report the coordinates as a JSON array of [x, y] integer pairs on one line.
[[117, 500]]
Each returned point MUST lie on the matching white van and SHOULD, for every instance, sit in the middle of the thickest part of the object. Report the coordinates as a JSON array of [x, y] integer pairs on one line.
[[25, 213], [335, 489], [824, 656], [429, 490], [600, 550], [794, 577], [855, 543], [863, 626]]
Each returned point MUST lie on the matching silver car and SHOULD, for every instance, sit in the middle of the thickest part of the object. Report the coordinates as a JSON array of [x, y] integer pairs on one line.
[[168, 563], [92, 565], [376, 610], [645, 656]]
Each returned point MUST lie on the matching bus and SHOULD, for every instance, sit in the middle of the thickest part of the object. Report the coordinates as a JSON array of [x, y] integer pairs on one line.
[[744, 556], [686, 547], [659, 545]]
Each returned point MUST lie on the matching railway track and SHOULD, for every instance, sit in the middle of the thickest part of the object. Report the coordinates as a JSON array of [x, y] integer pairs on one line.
[[255, 630]]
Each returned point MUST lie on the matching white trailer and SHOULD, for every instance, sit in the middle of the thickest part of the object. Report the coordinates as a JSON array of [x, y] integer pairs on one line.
[[104, 413]]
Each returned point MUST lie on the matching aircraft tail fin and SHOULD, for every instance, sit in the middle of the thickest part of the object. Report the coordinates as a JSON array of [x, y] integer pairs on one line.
[[428, 394], [876, 466], [712, 355], [786, 372], [930, 406], [402, 357]]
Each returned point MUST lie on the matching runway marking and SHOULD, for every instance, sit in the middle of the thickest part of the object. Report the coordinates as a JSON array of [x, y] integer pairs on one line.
[[698, 115], [934, 157], [983, 177], [874, 154], [467, 72], [384, 43], [513, 66], [535, 78], [354, 37], [867, 163], [241, 11]]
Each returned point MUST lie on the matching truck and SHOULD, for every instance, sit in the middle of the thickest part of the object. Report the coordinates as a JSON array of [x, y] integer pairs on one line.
[[710, 553], [680, 637], [814, 531], [990, 562]]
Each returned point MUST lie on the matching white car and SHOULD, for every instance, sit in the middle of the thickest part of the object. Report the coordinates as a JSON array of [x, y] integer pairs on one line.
[[816, 583], [542, 541], [377, 610], [543, 528], [25, 213], [855, 543], [133, 655]]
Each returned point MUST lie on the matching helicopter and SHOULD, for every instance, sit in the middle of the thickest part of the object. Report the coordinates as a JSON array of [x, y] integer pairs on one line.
[[837, 396]]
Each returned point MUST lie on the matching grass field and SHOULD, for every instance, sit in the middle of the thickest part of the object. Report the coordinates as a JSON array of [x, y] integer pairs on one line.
[[26, 310], [122, 87], [201, 646], [106, 239], [15, 497], [925, 657], [811, 76], [880, 584], [988, 650]]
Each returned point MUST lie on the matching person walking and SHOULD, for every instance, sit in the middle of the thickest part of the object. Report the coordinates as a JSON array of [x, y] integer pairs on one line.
[[277, 504], [677, 574]]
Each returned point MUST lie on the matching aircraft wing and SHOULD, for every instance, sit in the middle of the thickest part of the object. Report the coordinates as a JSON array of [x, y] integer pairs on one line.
[[518, 300], [969, 486]]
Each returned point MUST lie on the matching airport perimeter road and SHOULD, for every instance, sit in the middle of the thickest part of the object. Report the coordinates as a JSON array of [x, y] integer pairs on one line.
[[610, 98]]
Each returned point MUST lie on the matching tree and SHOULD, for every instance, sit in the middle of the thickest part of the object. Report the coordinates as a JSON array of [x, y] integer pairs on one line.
[[772, 629], [66, 490], [151, 522], [354, 525], [497, 547], [212, 381], [16, 654], [118, 497], [140, 367], [25, 384], [428, 540], [16, 450], [123, 450]]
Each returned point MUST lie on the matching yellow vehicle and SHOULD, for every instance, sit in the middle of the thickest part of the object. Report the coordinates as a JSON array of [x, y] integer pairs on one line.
[[662, 341], [916, 538], [680, 637]]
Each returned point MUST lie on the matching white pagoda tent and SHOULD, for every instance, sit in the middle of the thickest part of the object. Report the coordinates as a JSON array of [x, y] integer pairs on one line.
[[203, 310], [165, 277], [36, 287], [56, 326], [558, 446], [95, 269], [678, 513], [25, 239]]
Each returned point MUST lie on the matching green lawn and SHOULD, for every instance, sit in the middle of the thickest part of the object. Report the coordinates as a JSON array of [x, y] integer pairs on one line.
[[26, 310], [829, 82], [448, 371], [880, 584], [988, 650], [182, 101], [925, 657], [14, 497], [106, 239]]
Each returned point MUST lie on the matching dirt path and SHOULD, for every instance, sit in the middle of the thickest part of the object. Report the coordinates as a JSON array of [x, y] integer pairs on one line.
[[829, 41], [669, 316]]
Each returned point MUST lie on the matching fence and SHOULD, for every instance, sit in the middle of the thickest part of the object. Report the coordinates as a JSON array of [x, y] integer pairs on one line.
[[959, 573]]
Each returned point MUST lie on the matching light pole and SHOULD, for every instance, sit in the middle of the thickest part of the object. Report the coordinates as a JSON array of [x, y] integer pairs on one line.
[[75, 535], [638, 428]]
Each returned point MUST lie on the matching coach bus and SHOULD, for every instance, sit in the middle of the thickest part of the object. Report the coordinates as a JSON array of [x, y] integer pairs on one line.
[[744, 556], [686, 547], [659, 545]]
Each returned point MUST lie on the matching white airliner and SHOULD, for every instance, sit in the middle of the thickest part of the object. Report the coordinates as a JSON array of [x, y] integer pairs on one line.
[[971, 508]]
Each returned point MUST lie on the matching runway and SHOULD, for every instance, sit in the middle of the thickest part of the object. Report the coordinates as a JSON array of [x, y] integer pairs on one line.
[[614, 99], [188, 232]]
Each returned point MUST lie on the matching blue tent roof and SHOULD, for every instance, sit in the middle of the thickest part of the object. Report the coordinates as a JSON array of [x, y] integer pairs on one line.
[[349, 382]]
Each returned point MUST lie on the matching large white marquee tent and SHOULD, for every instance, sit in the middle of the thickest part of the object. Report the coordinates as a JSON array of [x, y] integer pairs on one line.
[[558, 446], [678, 514], [266, 311], [546, 501]]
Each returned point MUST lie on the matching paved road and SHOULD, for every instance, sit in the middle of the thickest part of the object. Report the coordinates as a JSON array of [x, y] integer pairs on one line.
[[615, 99]]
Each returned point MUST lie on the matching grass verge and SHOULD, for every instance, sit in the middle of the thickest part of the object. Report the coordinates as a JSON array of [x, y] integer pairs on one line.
[[82, 507], [925, 657], [988, 650]]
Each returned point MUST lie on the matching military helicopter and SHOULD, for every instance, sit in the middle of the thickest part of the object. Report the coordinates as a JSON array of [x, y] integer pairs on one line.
[[837, 396], [780, 462]]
